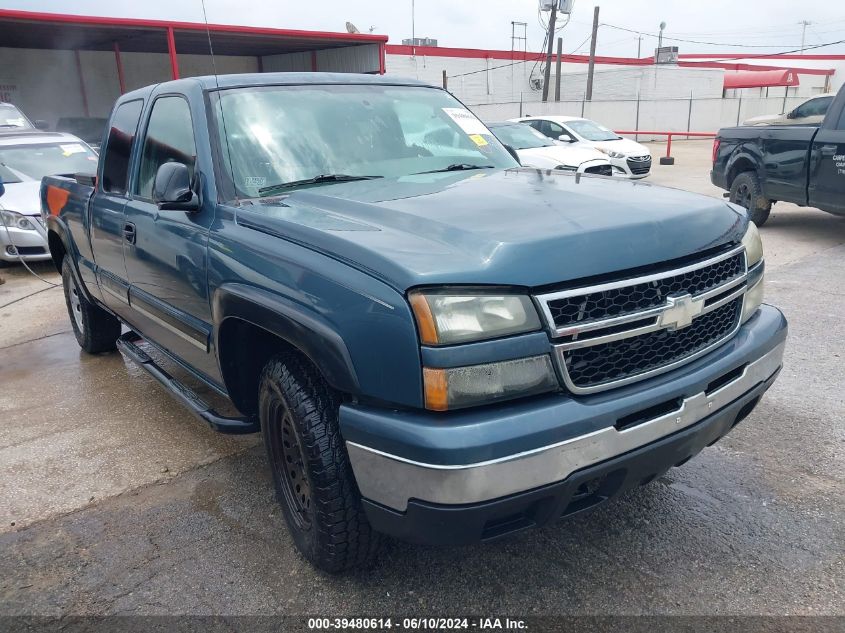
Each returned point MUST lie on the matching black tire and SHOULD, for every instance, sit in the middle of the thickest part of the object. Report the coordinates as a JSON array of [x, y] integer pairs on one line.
[[95, 329], [747, 192], [311, 471]]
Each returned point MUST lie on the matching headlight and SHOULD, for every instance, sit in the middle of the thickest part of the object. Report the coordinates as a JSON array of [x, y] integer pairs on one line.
[[458, 387], [754, 256], [448, 317], [16, 221], [753, 298], [753, 245]]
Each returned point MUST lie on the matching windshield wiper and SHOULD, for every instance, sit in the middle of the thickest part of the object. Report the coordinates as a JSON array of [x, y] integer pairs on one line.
[[457, 167], [270, 189]]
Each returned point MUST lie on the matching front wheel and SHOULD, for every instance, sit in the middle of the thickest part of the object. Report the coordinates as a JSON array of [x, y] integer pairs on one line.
[[95, 329], [311, 470], [747, 192]]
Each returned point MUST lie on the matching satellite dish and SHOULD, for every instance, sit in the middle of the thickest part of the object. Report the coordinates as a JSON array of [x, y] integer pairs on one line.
[[351, 28]]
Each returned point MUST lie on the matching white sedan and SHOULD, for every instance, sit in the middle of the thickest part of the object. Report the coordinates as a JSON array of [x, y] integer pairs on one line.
[[25, 157], [629, 158], [536, 150]]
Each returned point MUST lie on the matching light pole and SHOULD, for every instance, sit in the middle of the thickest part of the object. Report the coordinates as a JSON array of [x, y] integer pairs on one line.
[[660, 36]]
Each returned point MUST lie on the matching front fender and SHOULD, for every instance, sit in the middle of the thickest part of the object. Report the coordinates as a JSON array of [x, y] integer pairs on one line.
[[306, 330]]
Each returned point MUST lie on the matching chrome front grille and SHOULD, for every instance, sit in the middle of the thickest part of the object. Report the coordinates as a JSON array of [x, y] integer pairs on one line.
[[616, 333]]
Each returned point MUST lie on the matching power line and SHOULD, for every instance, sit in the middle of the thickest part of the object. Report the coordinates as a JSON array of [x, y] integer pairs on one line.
[[678, 39]]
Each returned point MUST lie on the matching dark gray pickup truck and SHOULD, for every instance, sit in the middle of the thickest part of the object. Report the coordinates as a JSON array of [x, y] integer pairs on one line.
[[435, 343], [791, 163]]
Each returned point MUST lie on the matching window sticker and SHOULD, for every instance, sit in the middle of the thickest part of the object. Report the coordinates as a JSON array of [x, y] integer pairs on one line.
[[254, 181], [73, 148], [467, 121], [478, 139]]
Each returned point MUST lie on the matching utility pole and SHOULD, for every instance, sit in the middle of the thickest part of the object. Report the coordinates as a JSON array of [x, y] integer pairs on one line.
[[551, 38], [592, 67], [413, 31], [804, 24], [639, 46], [557, 68], [518, 42]]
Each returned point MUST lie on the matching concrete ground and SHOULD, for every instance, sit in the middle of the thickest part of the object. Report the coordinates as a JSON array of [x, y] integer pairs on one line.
[[114, 500]]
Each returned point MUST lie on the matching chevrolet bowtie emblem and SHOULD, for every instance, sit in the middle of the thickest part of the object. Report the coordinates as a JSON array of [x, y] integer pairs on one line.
[[680, 311]]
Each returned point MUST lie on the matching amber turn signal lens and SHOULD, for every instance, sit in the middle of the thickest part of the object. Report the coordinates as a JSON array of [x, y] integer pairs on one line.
[[436, 389], [425, 320]]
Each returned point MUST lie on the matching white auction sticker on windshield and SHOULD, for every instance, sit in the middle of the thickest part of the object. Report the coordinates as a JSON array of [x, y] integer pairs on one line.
[[73, 148], [467, 121]]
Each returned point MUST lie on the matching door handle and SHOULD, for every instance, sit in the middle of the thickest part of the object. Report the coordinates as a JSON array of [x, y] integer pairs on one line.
[[129, 232], [828, 150]]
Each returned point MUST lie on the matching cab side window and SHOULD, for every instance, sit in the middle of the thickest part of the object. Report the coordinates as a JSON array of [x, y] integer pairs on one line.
[[816, 107], [820, 106], [118, 148], [169, 138]]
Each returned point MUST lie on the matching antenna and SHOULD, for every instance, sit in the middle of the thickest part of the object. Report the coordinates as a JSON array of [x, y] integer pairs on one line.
[[219, 98], [351, 28]]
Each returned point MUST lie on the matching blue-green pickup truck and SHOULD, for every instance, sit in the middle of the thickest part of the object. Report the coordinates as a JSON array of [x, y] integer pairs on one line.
[[434, 342]]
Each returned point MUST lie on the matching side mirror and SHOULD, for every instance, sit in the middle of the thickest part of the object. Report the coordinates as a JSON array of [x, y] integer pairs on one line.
[[41, 124], [791, 115], [513, 153], [2, 189], [566, 138], [172, 189]]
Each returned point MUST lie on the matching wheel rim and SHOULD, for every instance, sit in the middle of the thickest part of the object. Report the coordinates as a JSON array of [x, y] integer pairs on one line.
[[289, 464], [76, 305], [743, 195]]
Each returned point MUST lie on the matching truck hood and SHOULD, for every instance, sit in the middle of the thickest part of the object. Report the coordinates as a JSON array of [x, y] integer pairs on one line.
[[22, 197], [764, 118], [519, 227]]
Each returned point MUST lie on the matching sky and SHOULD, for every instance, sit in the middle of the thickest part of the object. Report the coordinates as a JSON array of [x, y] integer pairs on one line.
[[734, 26]]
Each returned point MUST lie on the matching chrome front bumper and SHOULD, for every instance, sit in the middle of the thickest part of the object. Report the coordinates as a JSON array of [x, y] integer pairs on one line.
[[392, 481]]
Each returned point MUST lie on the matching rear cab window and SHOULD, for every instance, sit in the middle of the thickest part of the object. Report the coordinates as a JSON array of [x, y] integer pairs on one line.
[[118, 148]]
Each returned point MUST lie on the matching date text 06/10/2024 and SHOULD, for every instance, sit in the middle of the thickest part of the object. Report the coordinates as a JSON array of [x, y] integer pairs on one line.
[[416, 624]]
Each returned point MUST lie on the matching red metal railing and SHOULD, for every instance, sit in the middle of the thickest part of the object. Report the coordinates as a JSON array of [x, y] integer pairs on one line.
[[669, 136]]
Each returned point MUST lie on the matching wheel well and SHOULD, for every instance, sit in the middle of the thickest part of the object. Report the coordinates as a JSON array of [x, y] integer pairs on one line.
[[741, 165], [57, 249], [244, 350]]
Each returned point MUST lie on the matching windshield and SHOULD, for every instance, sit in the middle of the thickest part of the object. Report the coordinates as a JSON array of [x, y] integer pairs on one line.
[[11, 117], [272, 135], [592, 131], [520, 136], [37, 161]]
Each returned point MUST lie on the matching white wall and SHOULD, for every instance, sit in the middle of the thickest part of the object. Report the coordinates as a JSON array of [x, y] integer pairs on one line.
[[498, 80], [347, 59]]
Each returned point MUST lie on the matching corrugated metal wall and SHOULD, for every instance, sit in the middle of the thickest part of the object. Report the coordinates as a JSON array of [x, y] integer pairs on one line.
[[348, 59]]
